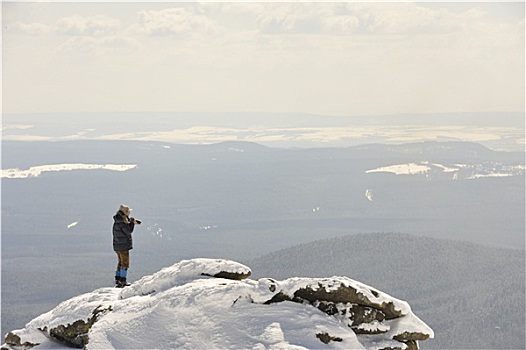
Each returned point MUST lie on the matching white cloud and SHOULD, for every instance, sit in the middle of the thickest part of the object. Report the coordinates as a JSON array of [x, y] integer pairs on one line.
[[326, 58], [93, 25], [31, 28], [175, 21], [344, 18], [289, 18], [99, 45], [342, 24]]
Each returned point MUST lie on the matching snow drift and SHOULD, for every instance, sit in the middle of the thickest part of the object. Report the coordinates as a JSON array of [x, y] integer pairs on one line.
[[212, 304]]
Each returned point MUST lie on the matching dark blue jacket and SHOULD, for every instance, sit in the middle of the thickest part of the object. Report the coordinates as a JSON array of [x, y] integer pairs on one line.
[[122, 233]]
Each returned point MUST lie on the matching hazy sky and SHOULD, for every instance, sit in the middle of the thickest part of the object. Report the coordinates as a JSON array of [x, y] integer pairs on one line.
[[326, 58]]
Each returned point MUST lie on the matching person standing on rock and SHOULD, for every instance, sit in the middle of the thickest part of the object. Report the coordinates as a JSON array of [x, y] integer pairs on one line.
[[123, 227]]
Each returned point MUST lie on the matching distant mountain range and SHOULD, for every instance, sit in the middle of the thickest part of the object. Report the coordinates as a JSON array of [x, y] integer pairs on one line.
[[471, 295], [497, 130]]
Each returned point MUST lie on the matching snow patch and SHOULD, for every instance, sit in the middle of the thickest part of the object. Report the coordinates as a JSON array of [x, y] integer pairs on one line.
[[459, 171], [73, 224], [16, 127], [374, 326], [402, 169], [369, 195], [38, 170], [480, 176], [77, 308], [445, 168]]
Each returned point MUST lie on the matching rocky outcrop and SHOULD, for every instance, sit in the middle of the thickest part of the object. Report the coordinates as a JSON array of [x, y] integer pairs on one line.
[[219, 294], [76, 333], [348, 295], [365, 310]]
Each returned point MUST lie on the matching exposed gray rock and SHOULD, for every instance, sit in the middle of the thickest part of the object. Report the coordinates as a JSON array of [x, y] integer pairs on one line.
[[14, 340], [76, 333], [357, 314], [230, 275], [326, 338], [364, 310], [407, 336], [278, 298], [347, 295]]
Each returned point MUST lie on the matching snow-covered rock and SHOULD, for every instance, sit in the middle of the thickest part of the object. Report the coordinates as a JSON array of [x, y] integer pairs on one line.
[[184, 272], [185, 306]]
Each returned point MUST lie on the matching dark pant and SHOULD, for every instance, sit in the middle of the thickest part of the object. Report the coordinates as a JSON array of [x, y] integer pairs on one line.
[[124, 260]]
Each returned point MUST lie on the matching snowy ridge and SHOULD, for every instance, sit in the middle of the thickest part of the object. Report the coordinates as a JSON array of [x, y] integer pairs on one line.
[[182, 306]]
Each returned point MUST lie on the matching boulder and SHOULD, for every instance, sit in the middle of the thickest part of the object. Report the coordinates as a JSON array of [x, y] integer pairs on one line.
[[362, 308]]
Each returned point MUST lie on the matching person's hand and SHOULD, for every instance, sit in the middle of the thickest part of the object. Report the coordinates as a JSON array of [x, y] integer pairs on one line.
[[136, 222]]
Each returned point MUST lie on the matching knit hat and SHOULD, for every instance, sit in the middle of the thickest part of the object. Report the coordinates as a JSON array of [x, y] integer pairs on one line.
[[125, 209]]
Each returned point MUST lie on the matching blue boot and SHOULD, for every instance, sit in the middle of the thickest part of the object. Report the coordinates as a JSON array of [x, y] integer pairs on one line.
[[123, 273], [117, 278]]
